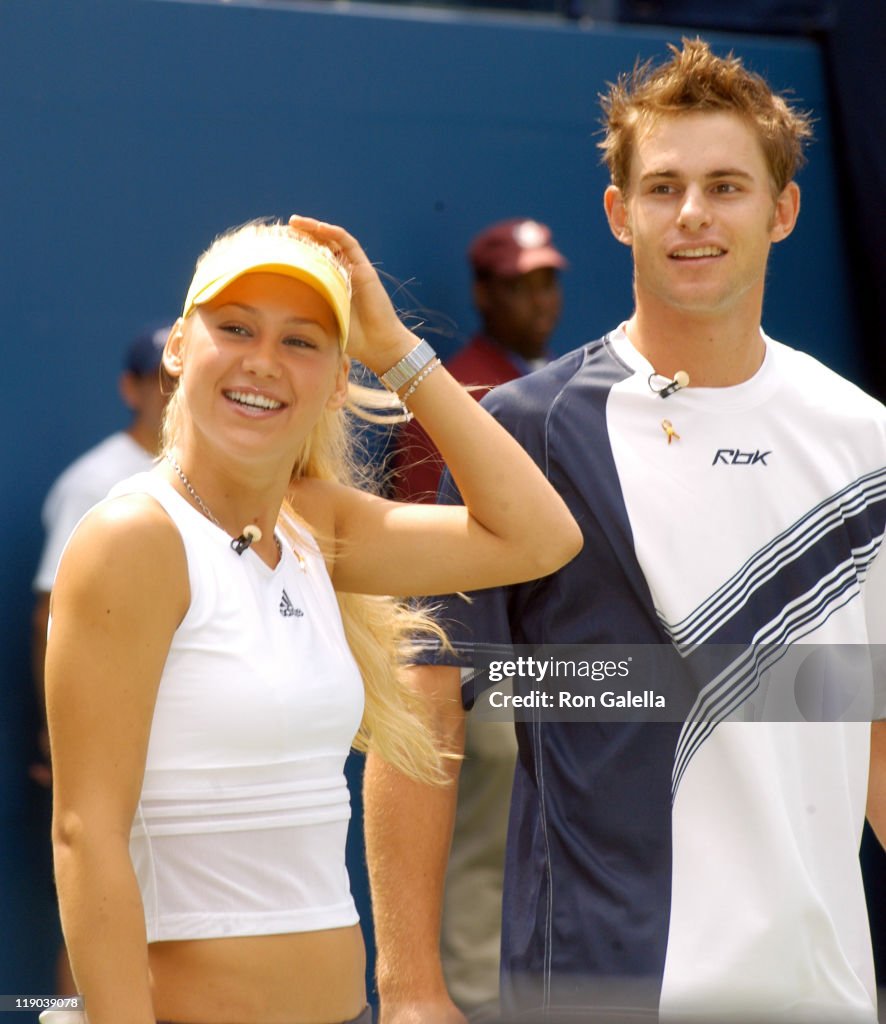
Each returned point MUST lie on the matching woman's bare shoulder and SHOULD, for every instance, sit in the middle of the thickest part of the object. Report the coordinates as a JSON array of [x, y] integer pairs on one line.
[[122, 541]]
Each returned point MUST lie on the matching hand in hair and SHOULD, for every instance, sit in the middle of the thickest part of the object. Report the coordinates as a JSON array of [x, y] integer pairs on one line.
[[377, 337]]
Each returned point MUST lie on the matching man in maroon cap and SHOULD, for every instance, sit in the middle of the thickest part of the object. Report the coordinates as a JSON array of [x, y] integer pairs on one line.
[[517, 294]]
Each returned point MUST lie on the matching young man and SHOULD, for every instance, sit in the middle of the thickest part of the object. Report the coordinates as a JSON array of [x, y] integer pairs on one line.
[[709, 869]]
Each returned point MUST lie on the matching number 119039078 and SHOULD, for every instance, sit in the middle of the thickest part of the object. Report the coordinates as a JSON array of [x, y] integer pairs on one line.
[[11, 1003]]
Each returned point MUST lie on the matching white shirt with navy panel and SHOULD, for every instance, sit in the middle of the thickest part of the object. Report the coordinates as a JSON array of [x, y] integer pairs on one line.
[[715, 865]]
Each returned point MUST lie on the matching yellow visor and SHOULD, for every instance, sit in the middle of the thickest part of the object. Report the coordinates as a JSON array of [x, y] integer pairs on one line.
[[276, 253]]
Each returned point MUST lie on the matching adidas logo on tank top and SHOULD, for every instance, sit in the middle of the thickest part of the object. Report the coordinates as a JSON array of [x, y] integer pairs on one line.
[[288, 609]]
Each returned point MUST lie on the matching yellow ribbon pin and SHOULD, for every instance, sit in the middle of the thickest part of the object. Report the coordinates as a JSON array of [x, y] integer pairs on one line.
[[668, 428]]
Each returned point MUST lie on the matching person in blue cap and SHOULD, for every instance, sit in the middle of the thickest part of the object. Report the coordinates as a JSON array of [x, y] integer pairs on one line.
[[83, 484]]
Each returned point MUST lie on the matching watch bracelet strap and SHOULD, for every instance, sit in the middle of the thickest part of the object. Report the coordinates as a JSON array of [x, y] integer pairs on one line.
[[410, 365]]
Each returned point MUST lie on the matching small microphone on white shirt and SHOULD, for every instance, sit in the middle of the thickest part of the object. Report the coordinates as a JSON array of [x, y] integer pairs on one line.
[[250, 535], [681, 380]]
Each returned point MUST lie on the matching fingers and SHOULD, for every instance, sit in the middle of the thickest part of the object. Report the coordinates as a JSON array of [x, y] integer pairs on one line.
[[308, 225], [377, 337], [330, 234], [342, 244], [316, 227]]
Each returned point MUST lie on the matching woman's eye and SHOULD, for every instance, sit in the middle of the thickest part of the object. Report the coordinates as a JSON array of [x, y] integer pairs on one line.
[[237, 329], [299, 342]]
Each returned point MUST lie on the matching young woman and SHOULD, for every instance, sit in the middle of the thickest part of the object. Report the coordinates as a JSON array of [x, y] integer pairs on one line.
[[203, 683]]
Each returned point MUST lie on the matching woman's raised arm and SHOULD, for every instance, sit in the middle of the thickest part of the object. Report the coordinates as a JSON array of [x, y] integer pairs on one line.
[[513, 525]]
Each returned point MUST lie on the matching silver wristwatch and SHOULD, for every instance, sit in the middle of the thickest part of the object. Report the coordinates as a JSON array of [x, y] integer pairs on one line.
[[411, 364]]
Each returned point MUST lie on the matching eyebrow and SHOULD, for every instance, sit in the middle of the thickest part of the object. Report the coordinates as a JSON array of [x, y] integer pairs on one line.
[[255, 311], [722, 172]]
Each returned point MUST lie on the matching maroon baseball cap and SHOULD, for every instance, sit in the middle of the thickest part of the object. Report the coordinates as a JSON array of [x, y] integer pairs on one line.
[[513, 247]]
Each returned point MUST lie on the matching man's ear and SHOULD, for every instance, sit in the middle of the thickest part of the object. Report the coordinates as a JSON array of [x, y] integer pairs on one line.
[[617, 214], [173, 350], [787, 210], [340, 389]]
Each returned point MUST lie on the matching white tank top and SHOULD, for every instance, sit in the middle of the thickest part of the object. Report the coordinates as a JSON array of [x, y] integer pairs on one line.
[[243, 815]]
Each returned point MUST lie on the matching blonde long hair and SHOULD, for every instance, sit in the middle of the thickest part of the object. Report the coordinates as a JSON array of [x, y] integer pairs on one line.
[[384, 633]]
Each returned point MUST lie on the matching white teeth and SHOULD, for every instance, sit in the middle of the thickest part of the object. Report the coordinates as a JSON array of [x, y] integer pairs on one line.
[[708, 250], [259, 401]]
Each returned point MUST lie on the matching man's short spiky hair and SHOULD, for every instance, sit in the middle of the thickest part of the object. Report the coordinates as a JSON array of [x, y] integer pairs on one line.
[[693, 80]]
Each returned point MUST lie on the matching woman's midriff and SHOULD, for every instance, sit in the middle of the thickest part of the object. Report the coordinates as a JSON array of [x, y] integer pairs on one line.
[[301, 978]]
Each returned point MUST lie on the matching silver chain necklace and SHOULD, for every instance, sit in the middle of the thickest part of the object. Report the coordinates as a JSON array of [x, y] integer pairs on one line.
[[198, 501], [250, 534]]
